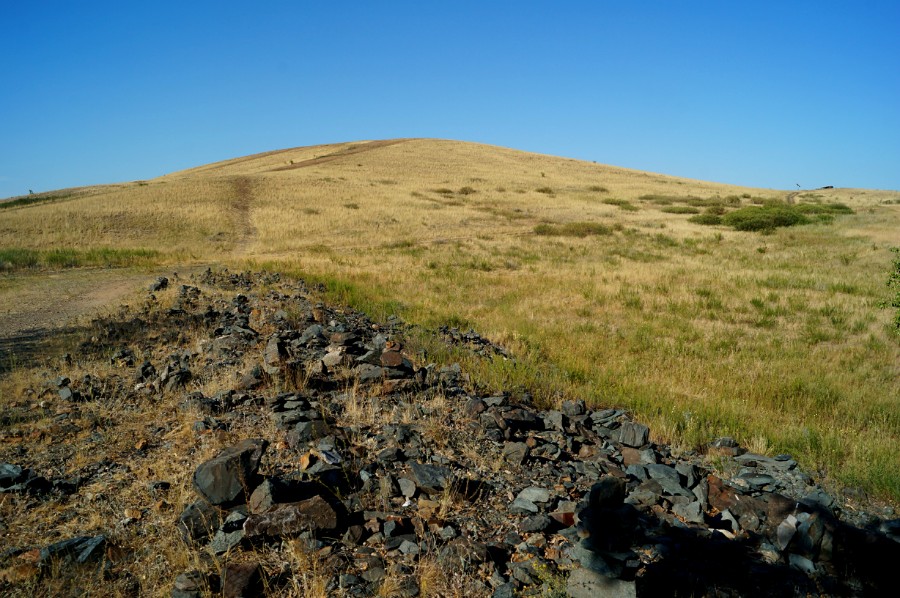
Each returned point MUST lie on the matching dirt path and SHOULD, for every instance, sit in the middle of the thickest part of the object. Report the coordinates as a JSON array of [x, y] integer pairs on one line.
[[34, 307]]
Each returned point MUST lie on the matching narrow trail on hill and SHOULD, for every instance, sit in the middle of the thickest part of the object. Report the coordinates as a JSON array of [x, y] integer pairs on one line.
[[341, 153], [241, 206]]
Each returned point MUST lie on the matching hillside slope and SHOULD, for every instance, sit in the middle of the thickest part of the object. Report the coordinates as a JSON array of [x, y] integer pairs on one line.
[[593, 275]]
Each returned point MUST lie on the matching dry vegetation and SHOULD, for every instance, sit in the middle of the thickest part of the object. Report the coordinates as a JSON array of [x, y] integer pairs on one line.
[[594, 276]]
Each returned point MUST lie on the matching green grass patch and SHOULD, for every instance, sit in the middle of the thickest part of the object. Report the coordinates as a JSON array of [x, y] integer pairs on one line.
[[572, 229], [766, 217], [894, 285], [16, 259], [833, 209], [707, 219], [622, 204], [680, 210], [34, 199], [662, 199]]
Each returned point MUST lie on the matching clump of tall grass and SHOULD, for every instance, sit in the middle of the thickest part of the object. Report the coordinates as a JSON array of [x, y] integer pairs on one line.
[[680, 210], [621, 204], [572, 229], [17, 258]]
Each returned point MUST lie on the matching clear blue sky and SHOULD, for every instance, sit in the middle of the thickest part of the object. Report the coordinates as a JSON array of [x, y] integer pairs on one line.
[[758, 93]]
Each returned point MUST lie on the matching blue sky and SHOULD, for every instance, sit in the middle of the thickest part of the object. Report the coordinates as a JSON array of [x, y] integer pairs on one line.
[[770, 94]]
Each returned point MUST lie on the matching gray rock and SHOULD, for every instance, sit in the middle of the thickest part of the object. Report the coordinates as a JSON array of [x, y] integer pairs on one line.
[[820, 499], [229, 476], [10, 475], [292, 518], [272, 356], [307, 431], [633, 434], [262, 497], [535, 523], [688, 473], [785, 531], [521, 506], [407, 487], [802, 564], [592, 561], [690, 512], [229, 535], [369, 373], [198, 521], [555, 420], [79, 549], [584, 583], [505, 590], [374, 575], [515, 452], [430, 478], [573, 408], [535, 494]]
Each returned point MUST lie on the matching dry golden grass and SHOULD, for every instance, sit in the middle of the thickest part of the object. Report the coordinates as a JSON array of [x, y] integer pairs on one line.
[[776, 339]]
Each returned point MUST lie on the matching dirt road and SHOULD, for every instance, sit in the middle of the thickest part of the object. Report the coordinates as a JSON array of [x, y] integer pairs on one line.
[[36, 306]]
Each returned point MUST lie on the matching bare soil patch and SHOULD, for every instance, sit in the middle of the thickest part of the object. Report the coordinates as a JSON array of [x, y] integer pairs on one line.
[[36, 307]]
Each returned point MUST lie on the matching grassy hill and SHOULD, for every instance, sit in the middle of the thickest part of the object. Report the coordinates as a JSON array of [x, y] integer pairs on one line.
[[595, 277]]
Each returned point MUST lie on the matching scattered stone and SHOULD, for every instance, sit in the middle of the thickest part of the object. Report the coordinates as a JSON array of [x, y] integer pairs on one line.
[[292, 518], [430, 478]]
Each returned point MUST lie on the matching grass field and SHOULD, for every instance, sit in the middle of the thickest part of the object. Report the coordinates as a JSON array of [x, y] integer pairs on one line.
[[595, 277]]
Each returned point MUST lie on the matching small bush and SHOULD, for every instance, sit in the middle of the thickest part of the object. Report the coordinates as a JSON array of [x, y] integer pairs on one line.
[[466, 191], [764, 218], [572, 229], [444, 191], [708, 219], [545, 190], [894, 285], [824, 208], [598, 189], [680, 210], [662, 199]]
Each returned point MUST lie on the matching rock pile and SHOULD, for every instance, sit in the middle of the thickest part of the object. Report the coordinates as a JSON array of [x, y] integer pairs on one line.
[[384, 469]]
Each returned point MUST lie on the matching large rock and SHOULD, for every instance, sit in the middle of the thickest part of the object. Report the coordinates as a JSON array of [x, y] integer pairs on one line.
[[430, 478], [198, 521], [229, 476], [633, 434], [292, 518]]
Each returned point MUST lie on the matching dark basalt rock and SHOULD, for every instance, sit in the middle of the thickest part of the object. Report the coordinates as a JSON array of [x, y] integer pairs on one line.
[[229, 476]]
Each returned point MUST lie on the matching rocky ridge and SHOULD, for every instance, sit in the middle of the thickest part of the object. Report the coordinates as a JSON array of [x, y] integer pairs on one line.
[[395, 476]]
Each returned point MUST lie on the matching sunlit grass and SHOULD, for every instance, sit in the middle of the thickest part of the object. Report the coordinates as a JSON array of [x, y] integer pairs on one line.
[[777, 339]]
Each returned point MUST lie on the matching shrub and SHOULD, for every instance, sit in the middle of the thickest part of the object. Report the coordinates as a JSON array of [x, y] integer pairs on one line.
[[894, 284], [708, 219], [466, 191], [824, 208], [598, 189], [764, 218], [545, 190]]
